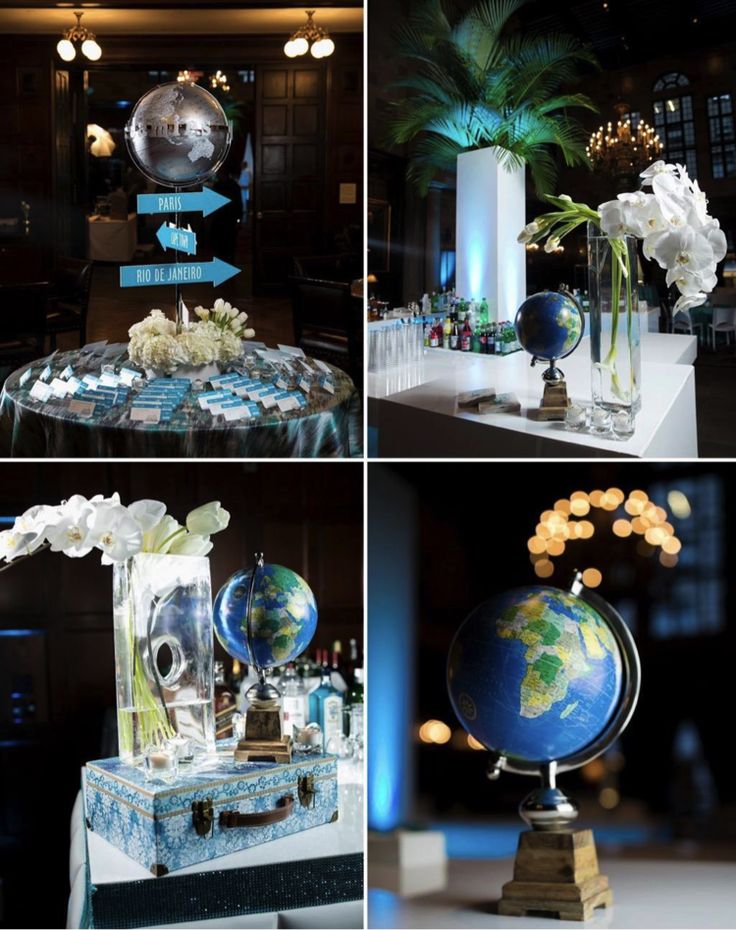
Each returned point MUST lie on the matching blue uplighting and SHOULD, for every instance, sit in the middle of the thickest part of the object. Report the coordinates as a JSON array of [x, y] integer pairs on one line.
[[7, 520], [447, 268], [21, 632], [390, 650]]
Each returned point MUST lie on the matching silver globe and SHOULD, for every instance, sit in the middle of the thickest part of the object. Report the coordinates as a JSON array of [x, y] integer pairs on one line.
[[178, 135]]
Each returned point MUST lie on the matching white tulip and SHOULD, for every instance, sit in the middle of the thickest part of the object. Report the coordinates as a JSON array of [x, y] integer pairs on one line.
[[207, 519], [147, 513], [70, 534], [116, 532], [528, 232], [191, 544]]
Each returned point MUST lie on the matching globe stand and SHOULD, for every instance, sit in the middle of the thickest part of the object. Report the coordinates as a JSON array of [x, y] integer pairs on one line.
[[556, 868], [264, 740], [554, 400]]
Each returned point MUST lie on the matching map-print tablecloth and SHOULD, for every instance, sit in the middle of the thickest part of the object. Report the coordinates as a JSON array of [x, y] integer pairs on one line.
[[327, 426]]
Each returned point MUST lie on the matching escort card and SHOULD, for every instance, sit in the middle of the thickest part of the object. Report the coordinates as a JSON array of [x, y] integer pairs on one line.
[[328, 386], [67, 373], [128, 376], [58, 387], [24, 377], [286, 402], [45, 374], [281, 383], [109, 379], [41, 391], [323, 366], [305, 384], [91, 381], [73, 385]]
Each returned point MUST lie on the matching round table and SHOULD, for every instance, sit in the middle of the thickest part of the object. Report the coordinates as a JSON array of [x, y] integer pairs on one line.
[[33, 429]]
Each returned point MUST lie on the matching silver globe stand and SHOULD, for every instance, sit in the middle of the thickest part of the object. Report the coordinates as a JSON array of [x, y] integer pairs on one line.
[[556, 866]]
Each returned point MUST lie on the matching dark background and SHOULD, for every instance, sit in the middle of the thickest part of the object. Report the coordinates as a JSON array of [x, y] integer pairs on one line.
[[308, 517], [673, 767]]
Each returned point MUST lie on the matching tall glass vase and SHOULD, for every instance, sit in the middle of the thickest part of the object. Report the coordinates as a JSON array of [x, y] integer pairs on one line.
[[614, 322], [163, 652]]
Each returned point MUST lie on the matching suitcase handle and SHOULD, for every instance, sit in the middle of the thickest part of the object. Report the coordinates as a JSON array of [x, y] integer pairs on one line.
[[231, 819]]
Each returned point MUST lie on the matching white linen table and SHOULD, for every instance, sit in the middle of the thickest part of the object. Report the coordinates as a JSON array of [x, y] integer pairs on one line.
[[112, 240]]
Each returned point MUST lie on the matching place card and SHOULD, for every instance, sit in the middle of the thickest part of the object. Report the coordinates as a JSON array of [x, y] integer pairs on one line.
[[328, 386], [235, 410], [85, 408], [292, 350], [305, 385], [145, 414], [91, 381], [67, 373], [93, 348], [45, 374], [299, 398], [210, 398], [41, 391], [281, 383], [73, 385], [323, 366], [109, 379], [58, 387], [24, 377]]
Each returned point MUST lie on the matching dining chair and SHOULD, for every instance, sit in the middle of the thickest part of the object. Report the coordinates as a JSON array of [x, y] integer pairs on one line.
[[683, 323], [724, 321], [69, 302]]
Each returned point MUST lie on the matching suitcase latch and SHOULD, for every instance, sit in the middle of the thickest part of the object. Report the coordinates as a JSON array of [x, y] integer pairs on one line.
[[203, 816], [306, 790]]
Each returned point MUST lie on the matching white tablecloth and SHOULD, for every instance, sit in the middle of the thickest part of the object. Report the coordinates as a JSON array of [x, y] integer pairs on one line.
[[112, 240]]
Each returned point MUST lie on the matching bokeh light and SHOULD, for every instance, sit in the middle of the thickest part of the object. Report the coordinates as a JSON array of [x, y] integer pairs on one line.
[[592, 577]]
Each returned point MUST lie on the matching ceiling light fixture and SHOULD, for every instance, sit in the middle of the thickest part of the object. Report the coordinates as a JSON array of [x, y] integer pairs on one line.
[[310, 34], [78, 36]]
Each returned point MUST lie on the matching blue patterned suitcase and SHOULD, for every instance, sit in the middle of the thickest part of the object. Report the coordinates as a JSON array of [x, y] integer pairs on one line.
[[209, 813]]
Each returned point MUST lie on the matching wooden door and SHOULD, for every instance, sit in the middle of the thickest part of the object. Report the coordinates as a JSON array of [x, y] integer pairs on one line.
[[289, 170]]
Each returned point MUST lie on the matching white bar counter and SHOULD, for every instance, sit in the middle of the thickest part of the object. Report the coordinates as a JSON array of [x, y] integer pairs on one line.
[[414, 406]]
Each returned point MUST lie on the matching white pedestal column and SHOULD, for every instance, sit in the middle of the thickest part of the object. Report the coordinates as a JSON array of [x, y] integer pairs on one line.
[[490, 214]]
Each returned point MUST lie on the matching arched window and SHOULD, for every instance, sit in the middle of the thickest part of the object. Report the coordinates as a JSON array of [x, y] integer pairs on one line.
[[673, 120], [722, 142], [671, 81]]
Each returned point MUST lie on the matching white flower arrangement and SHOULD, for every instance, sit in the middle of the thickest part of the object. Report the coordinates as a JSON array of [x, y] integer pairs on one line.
[[77, 526], [214, 339], [672, 222]]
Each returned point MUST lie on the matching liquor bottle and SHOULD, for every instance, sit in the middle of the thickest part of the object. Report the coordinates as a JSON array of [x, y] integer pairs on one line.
[[455, 336], [225, 704], [447, 329], [325, 707], [434, 337], [492, 340], [466, 338], [354, 707], [294, 696], [354, 662], [235, 677], [483, 339], [427, 331], [476, 339], [462, 309]]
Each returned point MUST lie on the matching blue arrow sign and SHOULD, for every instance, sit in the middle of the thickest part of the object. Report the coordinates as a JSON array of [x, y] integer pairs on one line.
[[214, 272], [183, 240], [205, 202]]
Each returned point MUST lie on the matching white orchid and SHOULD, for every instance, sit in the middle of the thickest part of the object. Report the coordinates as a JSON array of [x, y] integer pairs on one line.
[[654, 170], [686, 302], [116, 532], [207, 519], [71, 533], [684, 249], [78, 525], [613, 219]]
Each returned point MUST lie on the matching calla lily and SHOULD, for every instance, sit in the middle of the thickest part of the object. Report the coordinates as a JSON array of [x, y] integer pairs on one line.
[[207, 519], [160, 537], [190, 544], [147, 513]]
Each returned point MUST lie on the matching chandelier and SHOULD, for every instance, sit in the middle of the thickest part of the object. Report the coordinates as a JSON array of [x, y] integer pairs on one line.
[[622, 150], [218, 81], [78, 35], [309, 34]]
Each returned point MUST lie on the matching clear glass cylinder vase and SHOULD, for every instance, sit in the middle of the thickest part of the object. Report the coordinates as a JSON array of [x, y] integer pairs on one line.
[[163, 652], [615, 343]]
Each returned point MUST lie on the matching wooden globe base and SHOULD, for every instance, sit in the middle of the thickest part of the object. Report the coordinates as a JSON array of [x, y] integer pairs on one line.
[[556, 875], [554, 402], [264, 741]]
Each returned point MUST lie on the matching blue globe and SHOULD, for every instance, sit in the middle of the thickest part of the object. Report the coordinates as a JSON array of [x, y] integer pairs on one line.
[[283, 616], [549, 325], [535, 674]]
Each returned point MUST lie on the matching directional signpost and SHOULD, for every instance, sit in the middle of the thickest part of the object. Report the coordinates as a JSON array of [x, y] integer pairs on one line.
[[172, 236]]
